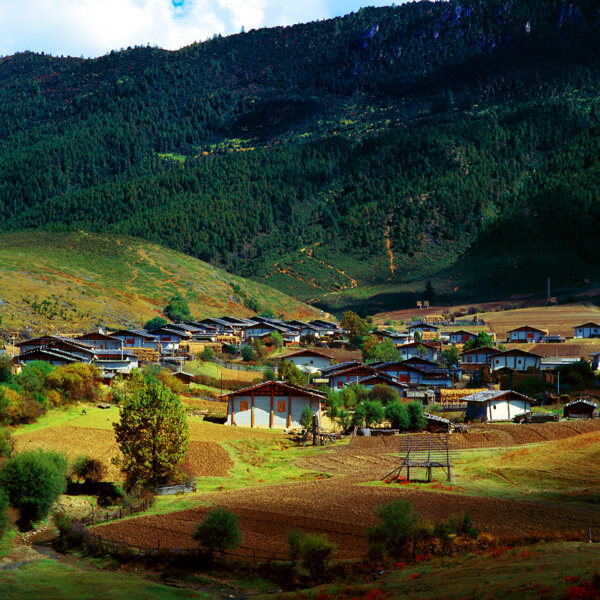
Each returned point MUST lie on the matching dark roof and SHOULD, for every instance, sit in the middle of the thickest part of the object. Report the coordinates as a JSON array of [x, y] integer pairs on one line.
[[52, 353], [484, 349], [492, 395], [527, 328], [517, 352], [137, 332], [96, 335], [415, 344], [582, 401], [385, 377], [341, 367], [436, 418], [587, 325], [292, 388], [306, 352], [463, 331], [349, 371]]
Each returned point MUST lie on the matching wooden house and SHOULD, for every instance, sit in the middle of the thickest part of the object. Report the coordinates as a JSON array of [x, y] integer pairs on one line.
[[461, 337], [587, 330], [422, 328], [421, 363], [436, 424], [517, 360], [496, 405], [135, 338], [309, 358], [53, 356], [477, 358], [371, 381], [272, 404], [582, 408], [526, 334], [100, 341], [419, 349], [338, 379]]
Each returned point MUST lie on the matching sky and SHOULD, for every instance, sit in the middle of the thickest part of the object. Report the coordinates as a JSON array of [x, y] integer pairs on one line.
[[92, 28]]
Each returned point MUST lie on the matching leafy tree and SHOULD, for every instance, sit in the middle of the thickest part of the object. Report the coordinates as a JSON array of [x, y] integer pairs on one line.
[[451, 356], [384, 393], [90, 470], [152, 434], [398, 522], [208, 353], [291, 374], [177, 309], [4, 504], [5, 369], [268, 313], [218, 532], [33, 480], [415, 414], [268, 375], [397, 414], [374, 412], [6, 442], [315, 552], [483, 340], [306, 417], [248, 353], [276, 339], [356, 327], [33, 375], [155, 323], [374, 350]]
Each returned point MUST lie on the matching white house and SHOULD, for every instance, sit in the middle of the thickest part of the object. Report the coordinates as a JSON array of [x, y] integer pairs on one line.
[[496, 405], [587, 330], [418, 349], [134, 338], [477, 358], [526, 334], [461, 337], [422, 328], [309, 358], [518, 360], [272, 404]]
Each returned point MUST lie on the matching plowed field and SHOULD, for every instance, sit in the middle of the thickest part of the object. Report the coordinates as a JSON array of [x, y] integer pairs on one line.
[[342, 511]]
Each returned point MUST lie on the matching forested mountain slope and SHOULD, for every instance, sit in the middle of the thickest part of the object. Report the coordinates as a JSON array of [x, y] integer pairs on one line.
[[338, 160]]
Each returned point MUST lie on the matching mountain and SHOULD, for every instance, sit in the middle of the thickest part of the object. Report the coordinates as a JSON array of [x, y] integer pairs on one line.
[[346, 162], [75, 282]]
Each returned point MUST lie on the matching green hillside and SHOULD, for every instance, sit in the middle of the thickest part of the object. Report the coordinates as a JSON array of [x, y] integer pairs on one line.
[[77, 281], [345, 162]]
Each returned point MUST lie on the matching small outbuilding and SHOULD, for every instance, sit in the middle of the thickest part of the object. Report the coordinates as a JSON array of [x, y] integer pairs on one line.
[[582, 408], [496, 405]]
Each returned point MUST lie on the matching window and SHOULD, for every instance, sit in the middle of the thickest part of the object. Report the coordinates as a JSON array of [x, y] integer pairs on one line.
[[469, 359], [494, 407], [243, 405], [281, 406], [340, 384]]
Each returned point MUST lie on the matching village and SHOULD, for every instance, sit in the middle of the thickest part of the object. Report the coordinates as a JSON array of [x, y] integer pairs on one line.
[[455, 372]]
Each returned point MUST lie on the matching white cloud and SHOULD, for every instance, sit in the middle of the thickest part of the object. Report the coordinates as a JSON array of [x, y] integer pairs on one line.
[[94, 27]]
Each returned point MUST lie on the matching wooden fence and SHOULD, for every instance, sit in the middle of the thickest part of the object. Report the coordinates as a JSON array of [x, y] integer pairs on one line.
[[184, 488], [110, 514]]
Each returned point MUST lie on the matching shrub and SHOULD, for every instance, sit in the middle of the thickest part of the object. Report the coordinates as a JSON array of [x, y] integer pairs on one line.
[[314, 551], [384, 393], [306, 418], [218, 532], [291, 374], [4, 504], [91, 470], [415, 414], [208, 353], [155, 323], [6, 443], [392, 535], [373, 412], [34, 480], [397, 414], [268, 375], [248, 353]]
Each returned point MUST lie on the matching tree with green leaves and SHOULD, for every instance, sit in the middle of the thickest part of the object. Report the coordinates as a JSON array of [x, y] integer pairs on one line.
[[451, 356], [291, 374], [483, 340], [276, 339], [34, 480], [153, 435], [373, 350], [415, 415], [356, 327], [177, 309], [395, 531], [397, 414], [218, 532], [306, 417], [248, 354], [155, 323]]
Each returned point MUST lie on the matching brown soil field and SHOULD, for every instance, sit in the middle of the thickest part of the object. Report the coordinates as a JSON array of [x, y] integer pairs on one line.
[[342, 511], [556, 319], [569, 349], [206, 456]]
